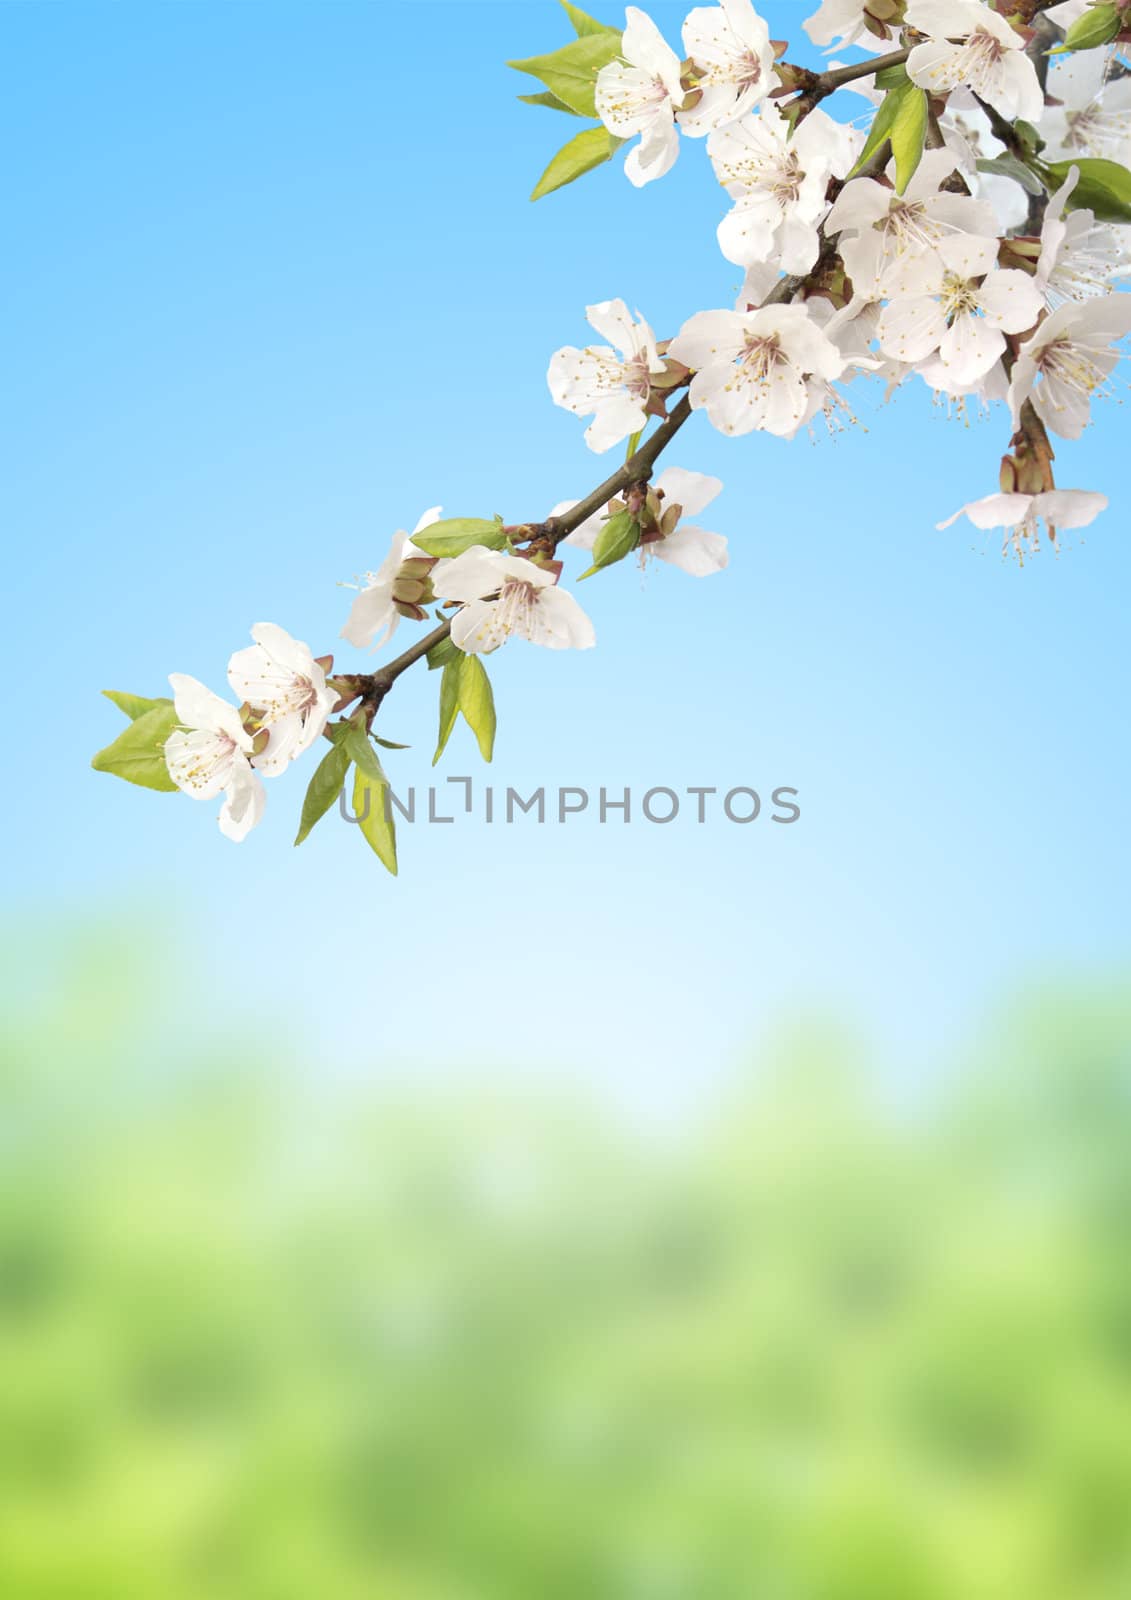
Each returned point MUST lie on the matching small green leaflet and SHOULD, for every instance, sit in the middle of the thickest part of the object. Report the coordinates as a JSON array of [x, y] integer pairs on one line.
[[592, 147], [369, 789], [618, 537], [466, 687], [583, 23], [908, 134], [891, 77], [326, 784], [1008, 166], [457, 534], [449, 706], [477, 702], [571, 72], [1104, 187], [440, 654], [138, 753], [549, 100], [1098, 25], [134, 704], [902, 118]]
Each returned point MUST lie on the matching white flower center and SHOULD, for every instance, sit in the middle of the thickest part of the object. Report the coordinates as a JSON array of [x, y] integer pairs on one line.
[[609, 373], [295, 694], [1095, 131], [514, 609], [742, 71], [780, 175], [958, 297], [208, 761], [1071, 365], [977, 61], [907, 226], [637, 95], [1087, 267], [759, 361]]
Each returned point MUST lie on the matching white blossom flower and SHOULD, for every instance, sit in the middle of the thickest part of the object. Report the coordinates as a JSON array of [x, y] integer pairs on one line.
[[374, 616], [779, 184], [760, 279], [614, 388], [969, 44], [209, 755], [730, 51], [836, 22], [1080, 257], [753, 369], [1020, 514], [639, 95], [280, 679], [1093, 113], [692, 549], [1068, 360], [967, 132], [501, 595], [880, 228], [956, 301]]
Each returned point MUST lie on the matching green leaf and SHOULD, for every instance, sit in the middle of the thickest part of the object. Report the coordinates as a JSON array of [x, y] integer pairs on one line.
[[1097, 26], [1007, 166], [1028, 135], [571, 72], [388, 744], [449, 703], [138, 753], [324, 787], [477, 702], [1104, 187], [465, 687], [592, 147], [908, 134], [440, 654], [134, 705], [583, 23], [899, 117], [457, 534], [892, 77], [369, 787], [619, 537], [878, 132], [548, 99]]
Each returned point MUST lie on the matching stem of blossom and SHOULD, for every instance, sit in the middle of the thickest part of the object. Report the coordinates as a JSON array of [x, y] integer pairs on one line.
[[636, 469], [835, 76], [383, 681], [817, 86]]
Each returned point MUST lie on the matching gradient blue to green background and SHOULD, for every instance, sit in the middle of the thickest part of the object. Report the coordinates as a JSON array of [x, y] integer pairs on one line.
[[272, 286], [338, 1255]]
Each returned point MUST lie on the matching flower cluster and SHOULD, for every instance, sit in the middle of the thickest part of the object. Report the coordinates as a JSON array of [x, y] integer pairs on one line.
[[969, 229], [975, 247]]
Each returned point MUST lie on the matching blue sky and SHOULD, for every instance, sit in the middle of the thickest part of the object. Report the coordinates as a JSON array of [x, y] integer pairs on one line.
[[272, 287]]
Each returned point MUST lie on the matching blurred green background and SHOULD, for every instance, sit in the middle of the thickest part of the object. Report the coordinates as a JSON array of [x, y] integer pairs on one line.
[[267, 1337]]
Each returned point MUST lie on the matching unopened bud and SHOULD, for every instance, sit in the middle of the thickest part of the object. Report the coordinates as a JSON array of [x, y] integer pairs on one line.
[[410, 591], [670, 519]]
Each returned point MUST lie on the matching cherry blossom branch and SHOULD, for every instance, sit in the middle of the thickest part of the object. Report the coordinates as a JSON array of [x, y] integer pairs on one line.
[[836, 76], [637, 469], [372, 687], [817, 86]]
